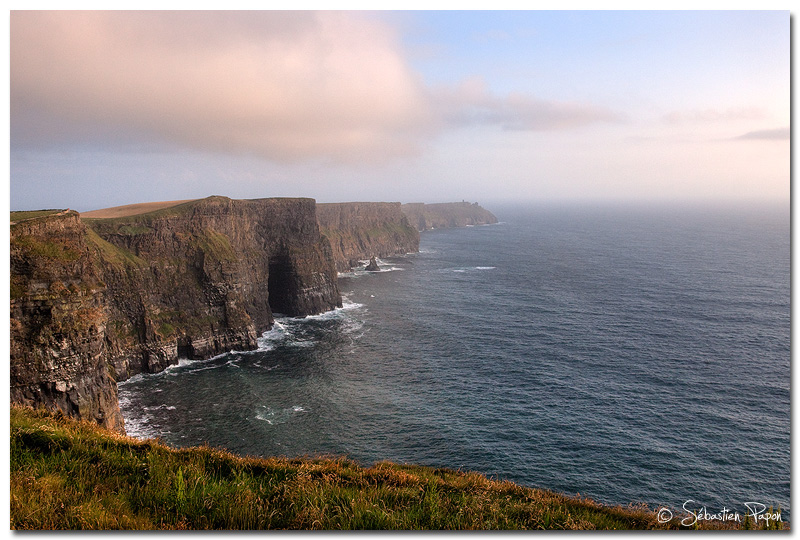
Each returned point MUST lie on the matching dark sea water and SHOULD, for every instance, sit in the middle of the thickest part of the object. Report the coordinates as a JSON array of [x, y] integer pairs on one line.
[[629, 355]]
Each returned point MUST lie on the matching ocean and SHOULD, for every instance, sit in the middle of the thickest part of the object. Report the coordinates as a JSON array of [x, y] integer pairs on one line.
[[626, 354]]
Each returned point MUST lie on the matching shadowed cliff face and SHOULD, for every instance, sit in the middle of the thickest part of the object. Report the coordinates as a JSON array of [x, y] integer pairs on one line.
[[91, 305], [204, 277], [58, 321], [442, 215], [361, 230]]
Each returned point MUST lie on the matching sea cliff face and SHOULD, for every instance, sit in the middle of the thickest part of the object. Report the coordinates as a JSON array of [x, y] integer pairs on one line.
[[59, 320], [441, 215], [95, 301], [205, 277], [361, 230], [96, 304]]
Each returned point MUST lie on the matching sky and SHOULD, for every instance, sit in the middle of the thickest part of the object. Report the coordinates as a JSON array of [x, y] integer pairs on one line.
[[113, 108]]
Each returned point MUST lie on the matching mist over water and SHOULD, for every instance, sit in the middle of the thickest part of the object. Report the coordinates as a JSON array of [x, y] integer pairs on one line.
[[630, 355]]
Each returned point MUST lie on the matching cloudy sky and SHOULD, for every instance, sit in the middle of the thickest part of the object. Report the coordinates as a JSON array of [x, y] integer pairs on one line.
[[111, 108]]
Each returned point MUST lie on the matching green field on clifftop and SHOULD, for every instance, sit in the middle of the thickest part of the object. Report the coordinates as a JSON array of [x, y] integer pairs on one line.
[[75, 475], [30, 214]]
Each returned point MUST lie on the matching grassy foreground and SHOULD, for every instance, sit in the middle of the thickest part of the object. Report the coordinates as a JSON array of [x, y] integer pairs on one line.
[[75, 475]]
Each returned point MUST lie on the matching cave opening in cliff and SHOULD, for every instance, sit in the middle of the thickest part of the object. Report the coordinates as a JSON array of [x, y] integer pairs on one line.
[[280, 285]]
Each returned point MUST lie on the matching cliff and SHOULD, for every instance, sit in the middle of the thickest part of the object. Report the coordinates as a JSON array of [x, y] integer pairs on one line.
[[97, 300], [59, 320], [96, 304], [361, 230], [441, 215]]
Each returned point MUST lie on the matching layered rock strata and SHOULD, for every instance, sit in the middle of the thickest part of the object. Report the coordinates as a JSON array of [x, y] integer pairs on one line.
[[205, 277], [362, 230], [58, 321], [96, 304]]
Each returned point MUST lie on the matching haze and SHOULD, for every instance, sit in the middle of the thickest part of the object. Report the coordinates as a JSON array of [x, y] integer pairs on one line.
[[112, 108]]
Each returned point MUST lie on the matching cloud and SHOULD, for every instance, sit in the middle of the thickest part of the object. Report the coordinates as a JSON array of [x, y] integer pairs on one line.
[[779, 134], [286, 86], [472, 103], [714, 115], [283, 85]]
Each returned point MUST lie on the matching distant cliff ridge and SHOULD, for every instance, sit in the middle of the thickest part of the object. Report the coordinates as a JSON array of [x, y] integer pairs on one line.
[[127, 290], [361, 230], [441, 215]]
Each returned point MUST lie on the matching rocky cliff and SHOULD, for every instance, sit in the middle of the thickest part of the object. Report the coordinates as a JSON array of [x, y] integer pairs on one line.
[[59, 320], [204, 277], [95, 304], [361, 230], [95, 301], [440, 215]]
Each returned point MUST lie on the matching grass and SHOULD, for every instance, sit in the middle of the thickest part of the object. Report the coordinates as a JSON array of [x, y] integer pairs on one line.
[[146, 217], [131, 209], [214, 244], [113, 254], [48, 249], [30, 214], [75, 475]]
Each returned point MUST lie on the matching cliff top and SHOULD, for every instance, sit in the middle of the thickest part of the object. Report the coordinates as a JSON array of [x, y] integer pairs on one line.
[[16, 217], [161, 208], [132, 209], [131, 484]]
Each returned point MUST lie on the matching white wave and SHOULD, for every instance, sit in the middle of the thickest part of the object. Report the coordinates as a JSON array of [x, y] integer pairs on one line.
[[463, 269], [269, 339], [171, 370], [302, 343], [267, 416], [189, 363], [141, 428], [335, 313], [278, 416], [361, 273], [288, 331], [352, 325], [137, 429], [161, 407], [383, 266]]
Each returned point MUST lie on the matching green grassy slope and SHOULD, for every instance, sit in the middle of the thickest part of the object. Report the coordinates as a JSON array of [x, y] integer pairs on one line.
[[30, 214], [75, 475]]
